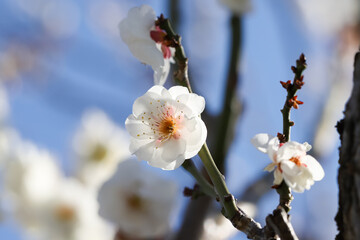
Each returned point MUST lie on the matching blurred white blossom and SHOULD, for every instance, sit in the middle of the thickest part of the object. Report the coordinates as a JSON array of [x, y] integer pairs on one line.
[[293, 165], [146, 41], [4, 104], [31, 174], [237, 6], [137, 201], [166, 127], [9, 140], [217, 227], [99, 146], [61, 19], [328, 16], [72, 214]]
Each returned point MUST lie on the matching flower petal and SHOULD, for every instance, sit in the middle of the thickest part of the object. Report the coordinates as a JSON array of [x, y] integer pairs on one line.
[[290, 168], [150, 101], [270, 167], [146, 151], [261, 141], [173, 148], [177, 91], [196, 138], [314, 168], [137, 128], [137, 24], [161, 71], [147, 53], [272, 149], [194, 101], [278, 178]]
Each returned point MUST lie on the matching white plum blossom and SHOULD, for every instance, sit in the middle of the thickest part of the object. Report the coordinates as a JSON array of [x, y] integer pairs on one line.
[[293, 165], [146, 41], [30, 174], [137, 202], [237, 6], [99, 145], [31, 178], [72, 213], [166, 127]]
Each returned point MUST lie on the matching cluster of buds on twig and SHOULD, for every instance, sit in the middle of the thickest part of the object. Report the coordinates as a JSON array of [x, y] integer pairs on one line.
[[297, 83]]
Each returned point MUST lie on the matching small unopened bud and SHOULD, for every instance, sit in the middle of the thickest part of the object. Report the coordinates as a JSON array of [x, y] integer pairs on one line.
[[302, 58], [293, 102], [228, 198], [188, 192], [286, 85], [291, 123], [281, 137], [298, 83], [159, 20], [293, 68]]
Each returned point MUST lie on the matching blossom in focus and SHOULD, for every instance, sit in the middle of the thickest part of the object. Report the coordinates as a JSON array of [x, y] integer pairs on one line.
[[99, 145], [237, 6], [137, 201], [293, 165], [147, 41], [166, 127]]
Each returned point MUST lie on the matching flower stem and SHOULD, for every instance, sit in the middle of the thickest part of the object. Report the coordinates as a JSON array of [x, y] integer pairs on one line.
[[205, 186], [226, 199], [231, 211], [285, 196], [181, 76]]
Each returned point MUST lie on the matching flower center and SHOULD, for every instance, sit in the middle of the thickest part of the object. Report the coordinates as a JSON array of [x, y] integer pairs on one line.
[[65, 213], [134, 202], [99, 153], [296, 160], [167, 126]]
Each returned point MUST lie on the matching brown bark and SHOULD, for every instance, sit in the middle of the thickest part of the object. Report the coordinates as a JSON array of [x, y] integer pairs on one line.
[[348, 216]]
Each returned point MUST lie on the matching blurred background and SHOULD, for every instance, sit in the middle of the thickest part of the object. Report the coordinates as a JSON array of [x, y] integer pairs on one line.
[[60, 58]]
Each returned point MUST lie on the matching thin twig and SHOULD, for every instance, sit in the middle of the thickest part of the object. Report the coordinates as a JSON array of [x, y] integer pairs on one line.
[[231, 107], [181, 74], [230, 210], [291, 90], [205, 186]]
